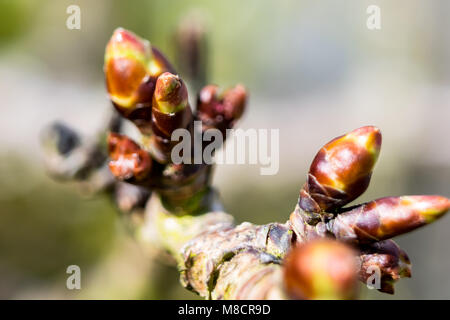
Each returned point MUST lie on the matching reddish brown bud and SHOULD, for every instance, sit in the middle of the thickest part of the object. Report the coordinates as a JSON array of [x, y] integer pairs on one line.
[[128, 160], [131, 69], [220, 111], [321, 269], [127, 60], [387, 217], [385, 260], [341, 170], [170, 111], [170, 94]]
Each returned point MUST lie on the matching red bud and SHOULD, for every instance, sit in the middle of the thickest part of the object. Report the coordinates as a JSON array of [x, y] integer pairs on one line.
[[128, 160]]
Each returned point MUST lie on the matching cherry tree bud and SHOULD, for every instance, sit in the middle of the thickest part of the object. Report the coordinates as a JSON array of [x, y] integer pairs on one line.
[[387, 217], [341, 170], [128, 160], [321, 269]]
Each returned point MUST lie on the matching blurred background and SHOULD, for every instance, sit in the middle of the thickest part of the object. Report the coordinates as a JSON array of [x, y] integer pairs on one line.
[[314, 71]]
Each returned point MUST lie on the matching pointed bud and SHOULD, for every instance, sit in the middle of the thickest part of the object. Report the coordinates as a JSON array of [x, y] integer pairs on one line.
[[387, 217], [170, 94], [321, 269], [385, 260], [127, 60], [341, 170], [170, 111], [128, 160]]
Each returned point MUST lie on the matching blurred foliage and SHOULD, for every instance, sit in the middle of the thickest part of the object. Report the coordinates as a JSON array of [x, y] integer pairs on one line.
[[45, 227], [16, 18]]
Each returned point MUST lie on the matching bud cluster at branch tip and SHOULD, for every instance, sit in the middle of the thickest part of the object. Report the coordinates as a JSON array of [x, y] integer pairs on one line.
[[322, 250], [341, 170]]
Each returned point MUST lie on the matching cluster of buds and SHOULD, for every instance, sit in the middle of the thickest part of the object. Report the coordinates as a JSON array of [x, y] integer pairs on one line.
[[340, 173], [329, 246], [145, 89], [132, 67], [330, 238]]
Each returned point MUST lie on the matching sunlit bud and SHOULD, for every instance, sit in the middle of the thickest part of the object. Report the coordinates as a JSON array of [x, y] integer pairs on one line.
[[321, 269], [170, 93], [341, 170], [127, 62], [382, 264], [387, 217], [128, 160], [170, 111]]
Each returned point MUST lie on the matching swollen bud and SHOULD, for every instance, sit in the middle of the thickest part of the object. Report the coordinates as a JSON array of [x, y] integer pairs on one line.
[[387, 217], [128, 160], [321, 269], [170, 93], [127, 62], [341, 170], [131, 69], [170, 111]]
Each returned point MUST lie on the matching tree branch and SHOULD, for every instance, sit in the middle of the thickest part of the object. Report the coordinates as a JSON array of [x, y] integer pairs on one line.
[[180, 213]]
